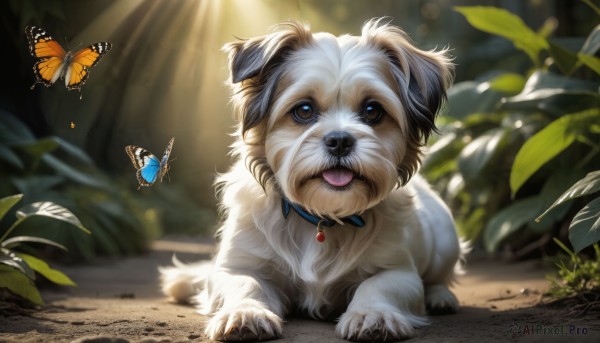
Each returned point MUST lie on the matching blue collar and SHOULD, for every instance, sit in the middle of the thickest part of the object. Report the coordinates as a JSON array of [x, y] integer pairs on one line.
[[286, 205]]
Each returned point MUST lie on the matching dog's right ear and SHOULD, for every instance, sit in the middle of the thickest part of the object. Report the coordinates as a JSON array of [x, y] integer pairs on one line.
[[255, 69]]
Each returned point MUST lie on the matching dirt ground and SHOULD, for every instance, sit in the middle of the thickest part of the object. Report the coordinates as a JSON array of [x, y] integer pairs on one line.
[[119, 301]]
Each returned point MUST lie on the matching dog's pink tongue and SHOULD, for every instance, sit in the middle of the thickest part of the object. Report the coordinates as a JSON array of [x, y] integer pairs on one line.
[[338, 177]]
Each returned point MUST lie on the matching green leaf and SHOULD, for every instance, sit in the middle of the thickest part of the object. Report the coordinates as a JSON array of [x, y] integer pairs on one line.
[[74, 151], [9, 156], [554, 94], [78, 242], [509, 220], [585, 227], [9, 258], [71, 173], [44, 269], [475, 156], [8, 202], [469, 97], [590, 184], [441, 156], [39, 147], [505, 24], [556, 101], [509, 83], [564, 59], [549, 80], [33, 185], [13, 131], [19, 284], [556, 184], [548, 27], [592, 62], [592, 43], [13, 241], [50, 210], [547, 144]]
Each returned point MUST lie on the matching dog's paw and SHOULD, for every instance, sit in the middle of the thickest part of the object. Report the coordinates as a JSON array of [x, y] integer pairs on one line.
[[440, 300], [378, 325], [249, 321]]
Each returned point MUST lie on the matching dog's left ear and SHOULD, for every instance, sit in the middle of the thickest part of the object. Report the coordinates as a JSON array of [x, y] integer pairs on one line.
[[255, 72], [422, 77]]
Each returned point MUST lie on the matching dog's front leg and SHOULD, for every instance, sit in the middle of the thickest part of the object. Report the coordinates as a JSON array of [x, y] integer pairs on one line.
[[245, 308], [385, 307]]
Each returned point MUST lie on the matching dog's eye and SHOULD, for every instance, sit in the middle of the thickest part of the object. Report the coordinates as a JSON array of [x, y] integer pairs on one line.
[[304, 113], [372, 112]]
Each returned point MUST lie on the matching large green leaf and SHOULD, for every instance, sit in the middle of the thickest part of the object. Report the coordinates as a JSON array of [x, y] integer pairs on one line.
[[9, 156], [552, 93], [468, 97], [477, 154], [505, 24], [592, 62], [546, 144], [45, 270], [566, 60], [18, 240], [509, 83], [585, 227], [590, 184], [10, 259], [8, 202], [441, 156], [19, 284], [548, 80], [50, 210], [556, 101], [37, 184], [74, 151], [39, 147], [79, 243], [13, 131], [509, 220], [592, 43], [556, 184], [71, 173]]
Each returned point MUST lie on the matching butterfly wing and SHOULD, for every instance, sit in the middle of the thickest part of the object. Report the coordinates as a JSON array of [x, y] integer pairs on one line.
[[147, 165], [49, 55], [81, 63], [164, 166]]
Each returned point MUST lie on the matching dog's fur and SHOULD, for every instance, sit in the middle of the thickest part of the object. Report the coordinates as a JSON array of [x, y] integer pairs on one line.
[[291, 89]]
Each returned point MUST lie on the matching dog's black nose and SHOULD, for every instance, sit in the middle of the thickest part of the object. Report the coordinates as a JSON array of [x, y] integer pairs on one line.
[[339, 143]]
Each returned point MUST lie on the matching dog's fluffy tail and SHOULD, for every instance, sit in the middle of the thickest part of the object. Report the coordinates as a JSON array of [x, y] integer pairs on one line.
[[181, 282]]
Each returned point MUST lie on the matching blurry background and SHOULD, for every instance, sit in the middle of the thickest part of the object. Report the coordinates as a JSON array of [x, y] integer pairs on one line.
[[164, 77]]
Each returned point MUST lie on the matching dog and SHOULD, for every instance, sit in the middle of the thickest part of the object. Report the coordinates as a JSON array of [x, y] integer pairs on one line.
[[325, 214]]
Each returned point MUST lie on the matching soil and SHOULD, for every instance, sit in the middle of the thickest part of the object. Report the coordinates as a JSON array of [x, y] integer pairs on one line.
[[120, 301]]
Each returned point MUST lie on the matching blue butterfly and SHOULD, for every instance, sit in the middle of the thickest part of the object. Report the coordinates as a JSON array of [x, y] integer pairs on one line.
[[149, 168]]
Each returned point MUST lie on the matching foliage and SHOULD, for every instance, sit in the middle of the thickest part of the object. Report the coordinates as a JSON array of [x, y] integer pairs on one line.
[[585, 227], [53, 170], [575, 274], [17, 269], [543, 124]]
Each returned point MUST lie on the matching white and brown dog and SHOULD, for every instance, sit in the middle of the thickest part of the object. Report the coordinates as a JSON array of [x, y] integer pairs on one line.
[[324, 213]]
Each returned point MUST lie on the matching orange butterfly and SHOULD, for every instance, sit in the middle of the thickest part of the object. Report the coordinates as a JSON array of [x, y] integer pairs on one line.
[[53, 62]]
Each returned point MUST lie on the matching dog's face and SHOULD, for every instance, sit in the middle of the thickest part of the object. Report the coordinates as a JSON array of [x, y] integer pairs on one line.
[[335, 123]]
